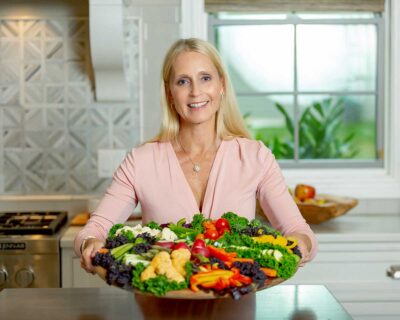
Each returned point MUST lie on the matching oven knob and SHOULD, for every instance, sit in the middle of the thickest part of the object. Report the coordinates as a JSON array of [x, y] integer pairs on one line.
[[3, 277], [24, 278]]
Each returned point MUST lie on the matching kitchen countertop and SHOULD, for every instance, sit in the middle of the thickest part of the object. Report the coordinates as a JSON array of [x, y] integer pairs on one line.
[[345, 228], [280, 302]]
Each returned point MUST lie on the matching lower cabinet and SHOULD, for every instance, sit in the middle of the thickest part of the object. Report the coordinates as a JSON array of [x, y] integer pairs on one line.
[[73, 276], [355, 272]]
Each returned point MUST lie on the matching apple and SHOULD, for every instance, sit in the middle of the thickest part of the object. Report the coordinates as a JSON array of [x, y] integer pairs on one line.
[[165, 244], [303, 192], [180, 245]]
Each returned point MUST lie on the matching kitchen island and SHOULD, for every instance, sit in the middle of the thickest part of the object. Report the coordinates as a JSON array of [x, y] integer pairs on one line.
[[280, 302]]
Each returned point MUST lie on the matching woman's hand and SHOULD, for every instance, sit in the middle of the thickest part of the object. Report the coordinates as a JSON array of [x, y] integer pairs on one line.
[[304, 245], [91, 246]]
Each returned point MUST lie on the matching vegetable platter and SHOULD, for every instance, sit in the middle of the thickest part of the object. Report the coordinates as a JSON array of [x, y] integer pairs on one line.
[[200, 259]]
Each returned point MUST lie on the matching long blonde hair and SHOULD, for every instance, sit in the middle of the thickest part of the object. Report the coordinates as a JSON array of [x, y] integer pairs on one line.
[[229, 121]]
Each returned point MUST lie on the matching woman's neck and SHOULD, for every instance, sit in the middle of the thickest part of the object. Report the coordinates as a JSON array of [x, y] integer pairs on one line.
[[197, 139]]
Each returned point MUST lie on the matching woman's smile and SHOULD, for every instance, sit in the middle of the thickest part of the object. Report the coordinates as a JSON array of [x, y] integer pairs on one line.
[[198, 105]]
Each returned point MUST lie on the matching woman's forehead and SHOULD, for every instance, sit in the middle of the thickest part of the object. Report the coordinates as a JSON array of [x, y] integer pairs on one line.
[[192, 62]]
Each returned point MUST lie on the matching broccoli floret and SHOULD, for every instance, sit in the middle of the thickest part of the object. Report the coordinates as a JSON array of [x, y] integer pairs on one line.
[[153, 225], [113, 230]]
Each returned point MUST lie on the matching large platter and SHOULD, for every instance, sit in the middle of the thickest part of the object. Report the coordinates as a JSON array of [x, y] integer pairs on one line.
[[189, 294]]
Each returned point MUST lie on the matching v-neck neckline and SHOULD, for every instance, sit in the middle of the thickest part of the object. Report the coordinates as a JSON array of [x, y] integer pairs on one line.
[[189, 190]]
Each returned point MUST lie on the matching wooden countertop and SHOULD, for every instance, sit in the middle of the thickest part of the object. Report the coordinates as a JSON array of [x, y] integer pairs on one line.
[[280, 302]]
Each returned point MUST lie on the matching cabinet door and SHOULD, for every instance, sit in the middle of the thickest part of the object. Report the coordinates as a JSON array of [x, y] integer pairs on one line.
[[82, 279]]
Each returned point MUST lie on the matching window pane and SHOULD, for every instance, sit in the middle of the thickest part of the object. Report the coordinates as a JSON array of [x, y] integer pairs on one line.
[[336, 57], [259, 58], [344, 129], [268, 124]]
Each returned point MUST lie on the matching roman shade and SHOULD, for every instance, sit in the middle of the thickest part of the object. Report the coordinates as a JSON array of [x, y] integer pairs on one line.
[[294, 5]]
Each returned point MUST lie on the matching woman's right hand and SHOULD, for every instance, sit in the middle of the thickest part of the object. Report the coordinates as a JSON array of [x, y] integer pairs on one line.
[[91, 246]]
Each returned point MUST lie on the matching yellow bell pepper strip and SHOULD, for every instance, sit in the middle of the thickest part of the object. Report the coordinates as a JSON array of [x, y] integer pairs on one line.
[[209, 279], [271, 273], [221, 254], [237, 276]]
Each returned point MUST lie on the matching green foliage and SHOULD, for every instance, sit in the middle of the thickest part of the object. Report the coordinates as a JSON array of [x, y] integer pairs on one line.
[[319, 125]]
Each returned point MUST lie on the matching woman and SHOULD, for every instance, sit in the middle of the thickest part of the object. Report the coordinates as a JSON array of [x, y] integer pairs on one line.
[[203, 160]]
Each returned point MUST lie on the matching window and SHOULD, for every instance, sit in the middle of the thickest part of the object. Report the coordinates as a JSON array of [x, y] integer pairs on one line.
[[309, 85]]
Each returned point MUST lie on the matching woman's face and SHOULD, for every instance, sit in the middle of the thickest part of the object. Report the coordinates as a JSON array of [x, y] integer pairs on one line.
[[195, 88]]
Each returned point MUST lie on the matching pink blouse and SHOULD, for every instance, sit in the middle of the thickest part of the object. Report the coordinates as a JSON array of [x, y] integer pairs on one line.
[[243, 170]]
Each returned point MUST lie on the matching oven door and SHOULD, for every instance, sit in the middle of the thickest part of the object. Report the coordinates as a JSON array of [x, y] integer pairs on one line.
[[30, 271]]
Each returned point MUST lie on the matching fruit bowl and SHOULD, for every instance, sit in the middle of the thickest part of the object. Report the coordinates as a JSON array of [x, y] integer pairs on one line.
[[325, 207]]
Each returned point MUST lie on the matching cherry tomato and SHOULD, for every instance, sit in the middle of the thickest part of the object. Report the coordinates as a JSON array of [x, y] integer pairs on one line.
[[223, 230], [222, 224], [211, 234]]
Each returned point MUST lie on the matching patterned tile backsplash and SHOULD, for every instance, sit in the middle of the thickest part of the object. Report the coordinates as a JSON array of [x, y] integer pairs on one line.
[[50, 126]]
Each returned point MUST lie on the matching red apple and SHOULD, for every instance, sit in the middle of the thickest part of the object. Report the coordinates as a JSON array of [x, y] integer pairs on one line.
[[303, 192]]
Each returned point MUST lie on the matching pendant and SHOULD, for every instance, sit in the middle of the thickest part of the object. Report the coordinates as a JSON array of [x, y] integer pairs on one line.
[[196, 168]]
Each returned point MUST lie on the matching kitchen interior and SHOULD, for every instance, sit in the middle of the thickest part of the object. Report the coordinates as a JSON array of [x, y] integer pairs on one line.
[[79, 87]]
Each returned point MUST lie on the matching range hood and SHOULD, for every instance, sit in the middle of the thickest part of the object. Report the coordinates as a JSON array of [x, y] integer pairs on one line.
[[107, 48]]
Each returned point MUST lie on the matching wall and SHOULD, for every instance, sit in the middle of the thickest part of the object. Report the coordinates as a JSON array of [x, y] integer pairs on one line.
[[51, 127]]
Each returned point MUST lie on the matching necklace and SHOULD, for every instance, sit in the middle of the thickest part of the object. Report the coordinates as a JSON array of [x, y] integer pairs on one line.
[[196, 166]]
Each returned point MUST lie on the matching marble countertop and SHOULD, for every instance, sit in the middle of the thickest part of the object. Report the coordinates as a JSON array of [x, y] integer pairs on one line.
[[351, 227]]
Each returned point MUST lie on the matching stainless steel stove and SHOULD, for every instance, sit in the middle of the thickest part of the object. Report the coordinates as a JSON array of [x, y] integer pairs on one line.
[[30, 250]]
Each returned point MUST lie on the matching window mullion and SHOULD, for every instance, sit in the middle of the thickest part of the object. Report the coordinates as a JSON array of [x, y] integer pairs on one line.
[[295, 100]]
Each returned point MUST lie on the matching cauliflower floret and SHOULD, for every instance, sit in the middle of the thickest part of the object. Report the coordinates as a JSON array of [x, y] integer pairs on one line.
[[138, 229], [168, 234], [179, 259], [162, 264], [148, 273]]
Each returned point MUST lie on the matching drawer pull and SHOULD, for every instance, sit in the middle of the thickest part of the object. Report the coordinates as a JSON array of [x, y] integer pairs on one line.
[[394, 271]]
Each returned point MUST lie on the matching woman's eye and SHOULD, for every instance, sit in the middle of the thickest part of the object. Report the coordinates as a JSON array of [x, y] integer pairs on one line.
[[182, 82], [206, 78]]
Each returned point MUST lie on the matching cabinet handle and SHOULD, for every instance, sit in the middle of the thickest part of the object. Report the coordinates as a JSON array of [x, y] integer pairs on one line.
[[394, 271]]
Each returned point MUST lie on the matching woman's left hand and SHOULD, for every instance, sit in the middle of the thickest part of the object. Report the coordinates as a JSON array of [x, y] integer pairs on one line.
[[304, 245]]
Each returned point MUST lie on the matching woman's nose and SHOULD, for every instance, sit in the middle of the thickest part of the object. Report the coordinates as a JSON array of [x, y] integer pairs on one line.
[[195, 89]]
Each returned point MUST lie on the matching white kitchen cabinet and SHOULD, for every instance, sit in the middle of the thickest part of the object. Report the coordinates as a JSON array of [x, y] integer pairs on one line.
[[354, 254]]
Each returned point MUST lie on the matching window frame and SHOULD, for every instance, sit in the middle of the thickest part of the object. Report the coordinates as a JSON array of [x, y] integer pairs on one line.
[[378, 92], [371, 185]]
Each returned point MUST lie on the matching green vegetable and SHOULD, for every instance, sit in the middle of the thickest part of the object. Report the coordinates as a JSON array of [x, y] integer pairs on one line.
[[235, 222], [197, 223], [114, 229], [153, 225], [158, 285], [119, 252]]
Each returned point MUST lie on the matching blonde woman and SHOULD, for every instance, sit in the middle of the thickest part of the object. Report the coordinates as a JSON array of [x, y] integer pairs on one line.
[[203, 160]]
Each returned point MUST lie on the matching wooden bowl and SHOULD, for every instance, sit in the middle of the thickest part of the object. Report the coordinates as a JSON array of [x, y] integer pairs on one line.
[[189, 294], [313, 213], [334, 206]]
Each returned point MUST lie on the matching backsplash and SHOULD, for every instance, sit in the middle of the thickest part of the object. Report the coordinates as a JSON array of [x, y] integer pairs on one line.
[[50, 126]]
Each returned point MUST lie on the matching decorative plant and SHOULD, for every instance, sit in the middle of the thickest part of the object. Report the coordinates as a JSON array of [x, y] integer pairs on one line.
[[319, 125]]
